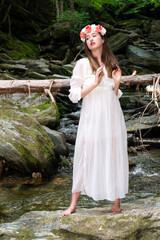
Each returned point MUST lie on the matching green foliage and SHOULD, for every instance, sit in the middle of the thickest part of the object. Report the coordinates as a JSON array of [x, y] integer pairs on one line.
[[16, 48], [77, 19], [126, 7]]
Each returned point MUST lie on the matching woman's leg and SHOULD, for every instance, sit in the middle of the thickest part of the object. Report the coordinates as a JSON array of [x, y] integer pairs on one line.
[[116, 206], [73, 205]]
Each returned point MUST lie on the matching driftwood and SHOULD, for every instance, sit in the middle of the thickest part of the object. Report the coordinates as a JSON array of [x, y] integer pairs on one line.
[[151, 108], [57, 85]]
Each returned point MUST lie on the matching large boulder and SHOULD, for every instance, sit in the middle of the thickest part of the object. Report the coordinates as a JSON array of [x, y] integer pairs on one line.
[[24, 144], [41, 108], [59, 140], [118, 42], [137, 221], [133, 51], [146, 124]]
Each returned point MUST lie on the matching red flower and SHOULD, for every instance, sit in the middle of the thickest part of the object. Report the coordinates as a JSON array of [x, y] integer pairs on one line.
[[88, 29], [98, 28], [82, 35]]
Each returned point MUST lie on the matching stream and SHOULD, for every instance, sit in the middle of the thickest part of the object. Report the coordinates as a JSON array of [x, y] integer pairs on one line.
[[17, 197]]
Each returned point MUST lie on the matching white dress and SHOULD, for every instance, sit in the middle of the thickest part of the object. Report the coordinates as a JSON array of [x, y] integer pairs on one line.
[[100, 168]]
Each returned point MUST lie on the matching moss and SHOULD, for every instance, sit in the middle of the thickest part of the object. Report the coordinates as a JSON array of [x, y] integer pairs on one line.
[[25, 234], [26, 154], [42, 107], [62, 109], [57, 112], [17, 49], [64, 161], [142, 73]]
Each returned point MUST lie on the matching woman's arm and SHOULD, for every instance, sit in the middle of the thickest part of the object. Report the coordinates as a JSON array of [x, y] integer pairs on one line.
[[116, 75], [98, 76]]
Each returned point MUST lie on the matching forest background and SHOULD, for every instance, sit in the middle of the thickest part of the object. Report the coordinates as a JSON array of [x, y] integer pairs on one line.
[[23, 24]]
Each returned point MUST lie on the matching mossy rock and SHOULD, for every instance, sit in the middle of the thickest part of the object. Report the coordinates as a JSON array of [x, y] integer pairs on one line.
[[130, 23], [96, 223], [41, 108], [118, 42], [16, 48], [24, 144]]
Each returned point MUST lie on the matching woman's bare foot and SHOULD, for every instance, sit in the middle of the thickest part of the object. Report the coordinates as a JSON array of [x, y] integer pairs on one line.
[[69, 211], [72, 207], [116, 206]]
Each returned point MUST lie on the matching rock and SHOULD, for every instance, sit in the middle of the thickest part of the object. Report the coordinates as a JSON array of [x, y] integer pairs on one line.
[[41, 66], [150, 64], [13, 67], [131, 23], [132, 151], [154, 34], [5, 76], [4, 57], [24, 144], [68, 57], [143, 123], [118, 42], [133, 51], [41, 108], [134, 222], [56, 69], [1, 168], [35, 75], [109, 28], [59, 141]]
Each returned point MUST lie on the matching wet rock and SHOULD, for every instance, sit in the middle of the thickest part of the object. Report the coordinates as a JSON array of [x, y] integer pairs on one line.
[[96, 223], [132, 151], [144, 122], [59, 141], [24, 144]]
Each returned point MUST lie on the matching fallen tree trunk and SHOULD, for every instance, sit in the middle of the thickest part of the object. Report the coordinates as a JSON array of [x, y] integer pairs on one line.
[[31, 86], [28, 86]]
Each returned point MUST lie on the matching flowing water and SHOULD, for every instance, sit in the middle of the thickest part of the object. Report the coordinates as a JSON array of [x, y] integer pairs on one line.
[[17, 197]]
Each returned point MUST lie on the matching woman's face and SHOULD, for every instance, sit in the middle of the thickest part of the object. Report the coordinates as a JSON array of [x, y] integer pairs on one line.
[[94, 40]]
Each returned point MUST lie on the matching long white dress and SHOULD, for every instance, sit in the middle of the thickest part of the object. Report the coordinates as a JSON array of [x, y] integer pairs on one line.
[[100, 168]]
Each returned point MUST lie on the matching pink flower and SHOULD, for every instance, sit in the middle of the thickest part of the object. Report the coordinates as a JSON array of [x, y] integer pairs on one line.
[[98, 28], [88, 29], [82, 35]]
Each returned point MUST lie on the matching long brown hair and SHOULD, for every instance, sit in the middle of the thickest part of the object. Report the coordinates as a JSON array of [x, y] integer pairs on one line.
[[108, 58]]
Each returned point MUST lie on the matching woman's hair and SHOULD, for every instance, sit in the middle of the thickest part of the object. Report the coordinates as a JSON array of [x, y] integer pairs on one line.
[[108, 58]]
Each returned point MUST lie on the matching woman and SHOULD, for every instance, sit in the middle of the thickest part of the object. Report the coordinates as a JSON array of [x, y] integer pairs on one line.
[[100, 159]]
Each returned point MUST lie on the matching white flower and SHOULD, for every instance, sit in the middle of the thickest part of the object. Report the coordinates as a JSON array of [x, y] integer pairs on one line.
[[93, 28], [103, 31]]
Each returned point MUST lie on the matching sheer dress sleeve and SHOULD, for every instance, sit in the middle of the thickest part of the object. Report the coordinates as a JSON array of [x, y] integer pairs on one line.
[[119, 93], [76, 83]]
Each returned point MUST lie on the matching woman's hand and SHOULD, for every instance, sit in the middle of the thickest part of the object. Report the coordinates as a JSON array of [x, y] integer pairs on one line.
[[98, 76], [116, 75]]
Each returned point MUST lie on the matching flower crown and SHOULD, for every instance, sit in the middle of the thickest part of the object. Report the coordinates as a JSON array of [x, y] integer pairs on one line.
[[90, 28]]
